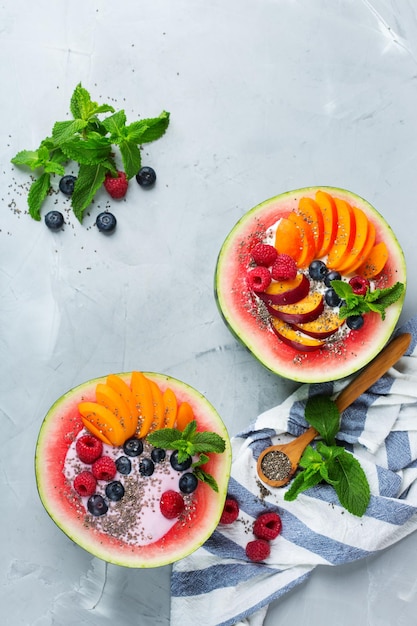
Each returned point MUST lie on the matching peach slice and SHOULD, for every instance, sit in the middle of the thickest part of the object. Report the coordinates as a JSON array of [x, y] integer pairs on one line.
[[142, 394], [104, 421], [374, 263], [322, 327], [109, 398], [170, 407], [306, 310], [361, 236], [293, 338], [185, 415], [369, 244], [345, 235], [308, 242], [158, 406], [288, 238], [311, 213], [329, 213], [95, 431], [122, 388], [286, 291]]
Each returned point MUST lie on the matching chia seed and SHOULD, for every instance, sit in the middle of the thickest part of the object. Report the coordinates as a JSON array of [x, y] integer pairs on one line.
[[276, 465]]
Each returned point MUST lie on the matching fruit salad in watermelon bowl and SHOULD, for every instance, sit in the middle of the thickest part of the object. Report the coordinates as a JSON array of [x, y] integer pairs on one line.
[[312, 282], [134, 468]]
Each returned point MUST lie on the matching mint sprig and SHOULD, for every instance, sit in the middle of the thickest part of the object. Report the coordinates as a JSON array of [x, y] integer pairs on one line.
[[330, 463], [377, 300], [190, 442], [92, 142]]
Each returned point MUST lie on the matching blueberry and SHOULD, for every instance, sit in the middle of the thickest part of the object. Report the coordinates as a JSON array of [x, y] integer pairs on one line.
[[66, 184], [355, 322], [188, 482], [124, 465], [317, 270], [158, 455], [97, 505], [133, 447], [106, 222], [146, 467], [176, 465], [115, 490], [146, 177], [54, 220], [331, 275], [332, 298]]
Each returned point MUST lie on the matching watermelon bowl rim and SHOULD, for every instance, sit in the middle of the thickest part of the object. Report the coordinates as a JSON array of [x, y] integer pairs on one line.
[[272, 353], [58, 506]]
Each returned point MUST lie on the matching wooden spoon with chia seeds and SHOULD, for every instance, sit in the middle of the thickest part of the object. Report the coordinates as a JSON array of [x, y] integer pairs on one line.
[[277, 464]]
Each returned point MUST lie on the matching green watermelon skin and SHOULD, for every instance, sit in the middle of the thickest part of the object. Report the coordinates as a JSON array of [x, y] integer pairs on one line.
[[59, 429], [236, 306]]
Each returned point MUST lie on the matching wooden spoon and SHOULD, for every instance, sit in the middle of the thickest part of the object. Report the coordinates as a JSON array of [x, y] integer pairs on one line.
[[281, 461]]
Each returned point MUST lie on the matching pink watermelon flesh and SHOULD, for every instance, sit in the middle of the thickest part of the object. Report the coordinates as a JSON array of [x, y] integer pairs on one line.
[[59, 429], [239, 311]]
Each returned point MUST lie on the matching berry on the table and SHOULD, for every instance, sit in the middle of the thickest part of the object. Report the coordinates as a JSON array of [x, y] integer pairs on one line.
[[284, 268], [177, 465], [88, 448], [115, 490], [133, 447], [116, 186], [259, 278], [106, 222], [146, 177], [97, 505], [230, 511], [264, 254], [158, 455], [332, 298], [146, 467], [317, 270], [267, 526], [85, 484], [124, 465], [188, 482], [54, 220], [66, 184], [331, 275], [360, 285], [104, 468], [258, 550], [171, 504], [355, 322]]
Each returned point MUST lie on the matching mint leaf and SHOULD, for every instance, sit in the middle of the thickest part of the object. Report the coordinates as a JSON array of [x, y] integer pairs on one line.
[[116, 125], [37, 194], [89, 180], [147, 130], [164, 438], [350, 483], [377, 300], [322, 413], [29, 158], [82, 107], [131, 157], [303, 481], [206, 478], [92, 151], [64, 131]]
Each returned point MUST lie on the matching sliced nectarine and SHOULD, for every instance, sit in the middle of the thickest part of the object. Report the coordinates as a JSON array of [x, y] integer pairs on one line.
[[375, 262], [329, 212], [306, 310], [170, 407], [361, 235], [293, 338], [95, 431], [288, 238], [369, 244], [109, 398], [286, 291], [345, 235], [322, 327], [308, 243], [311, 213], [122, 388], [142, 394], [158, 406], [104, 421], [185, 415]]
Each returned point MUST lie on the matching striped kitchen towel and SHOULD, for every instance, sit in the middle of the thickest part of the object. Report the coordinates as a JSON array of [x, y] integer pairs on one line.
[[218, 584]]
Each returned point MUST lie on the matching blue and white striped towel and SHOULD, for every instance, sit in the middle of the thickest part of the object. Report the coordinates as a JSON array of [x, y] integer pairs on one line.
[[219, 583]]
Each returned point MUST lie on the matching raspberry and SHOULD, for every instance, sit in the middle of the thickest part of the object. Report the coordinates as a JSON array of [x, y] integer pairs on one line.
[[104, 468], [267, 526], [116, 186], [89, 448], [264, 254], [359, 284], [258, 550], [284, 268], [171, 504], [85, 484], [230, 511], [259, 278]]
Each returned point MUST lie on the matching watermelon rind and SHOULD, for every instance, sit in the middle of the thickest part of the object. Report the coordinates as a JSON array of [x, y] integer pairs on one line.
[[59, 428], [236, 306]]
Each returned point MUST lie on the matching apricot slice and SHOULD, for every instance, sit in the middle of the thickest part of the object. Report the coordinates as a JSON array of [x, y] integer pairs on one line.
[[345, 235], [185, 415], [109, 398], [142, 394], [306, 310], [293, 338], [170, 407], [104, 421], [369, 244], [375, 262], [158, 406], [288, 238], [311, 213], [286, 291], [329, 212], [95, 431], [124, 391], [361, 236], [322, 327], [308, 243]]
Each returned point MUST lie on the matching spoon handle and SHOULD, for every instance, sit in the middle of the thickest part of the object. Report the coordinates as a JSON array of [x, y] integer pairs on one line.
[[379, 366]]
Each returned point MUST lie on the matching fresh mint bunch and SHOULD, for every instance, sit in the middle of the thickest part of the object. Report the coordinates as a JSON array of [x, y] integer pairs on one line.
[[91, 141], [330, 463], [189, 442], [377, 300]]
